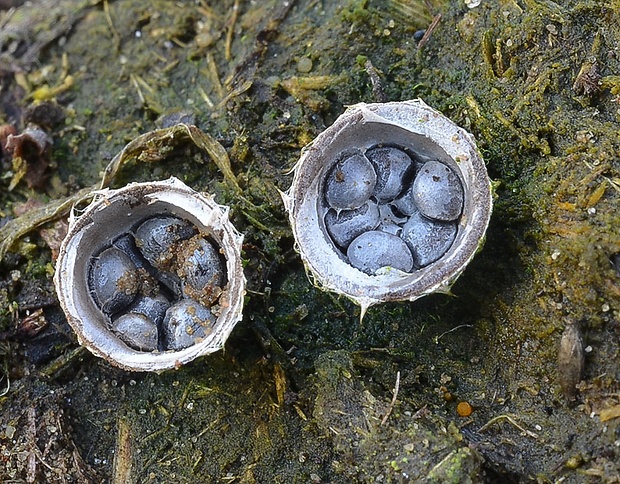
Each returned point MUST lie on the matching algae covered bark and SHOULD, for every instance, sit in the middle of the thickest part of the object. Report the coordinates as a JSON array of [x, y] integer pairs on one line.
[[537, 84]]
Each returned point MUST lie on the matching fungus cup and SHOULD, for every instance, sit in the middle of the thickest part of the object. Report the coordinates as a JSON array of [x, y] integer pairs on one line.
[[454, 217], [109, 225]]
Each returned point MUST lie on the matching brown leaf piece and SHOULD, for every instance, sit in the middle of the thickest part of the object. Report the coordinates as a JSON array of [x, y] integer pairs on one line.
[[30, 156], [570, 359]]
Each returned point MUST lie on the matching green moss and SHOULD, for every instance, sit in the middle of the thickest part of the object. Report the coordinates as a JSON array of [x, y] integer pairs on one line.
[[356, 11]]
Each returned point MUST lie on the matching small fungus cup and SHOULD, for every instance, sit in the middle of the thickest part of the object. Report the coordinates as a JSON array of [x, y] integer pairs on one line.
[[390, 203], [150, 276]]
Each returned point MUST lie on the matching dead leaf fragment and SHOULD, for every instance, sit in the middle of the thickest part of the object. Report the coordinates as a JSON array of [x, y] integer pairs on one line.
[[609, 413]]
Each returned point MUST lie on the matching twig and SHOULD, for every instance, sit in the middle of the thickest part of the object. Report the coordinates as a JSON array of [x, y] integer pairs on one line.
[[8, 383], [7, 16], [393, 402], [31, 463], [511, 421], [183, 399], [122, 456], [214, 77], [234, 93], [133, 80], [609, 180], [231, 30], [420, 413], [437, 338], [429, 31], [108, 17], [62, 361]]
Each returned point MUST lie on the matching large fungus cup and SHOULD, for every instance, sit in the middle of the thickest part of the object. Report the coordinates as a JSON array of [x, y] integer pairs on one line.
[[150, 276], [390, 203]]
